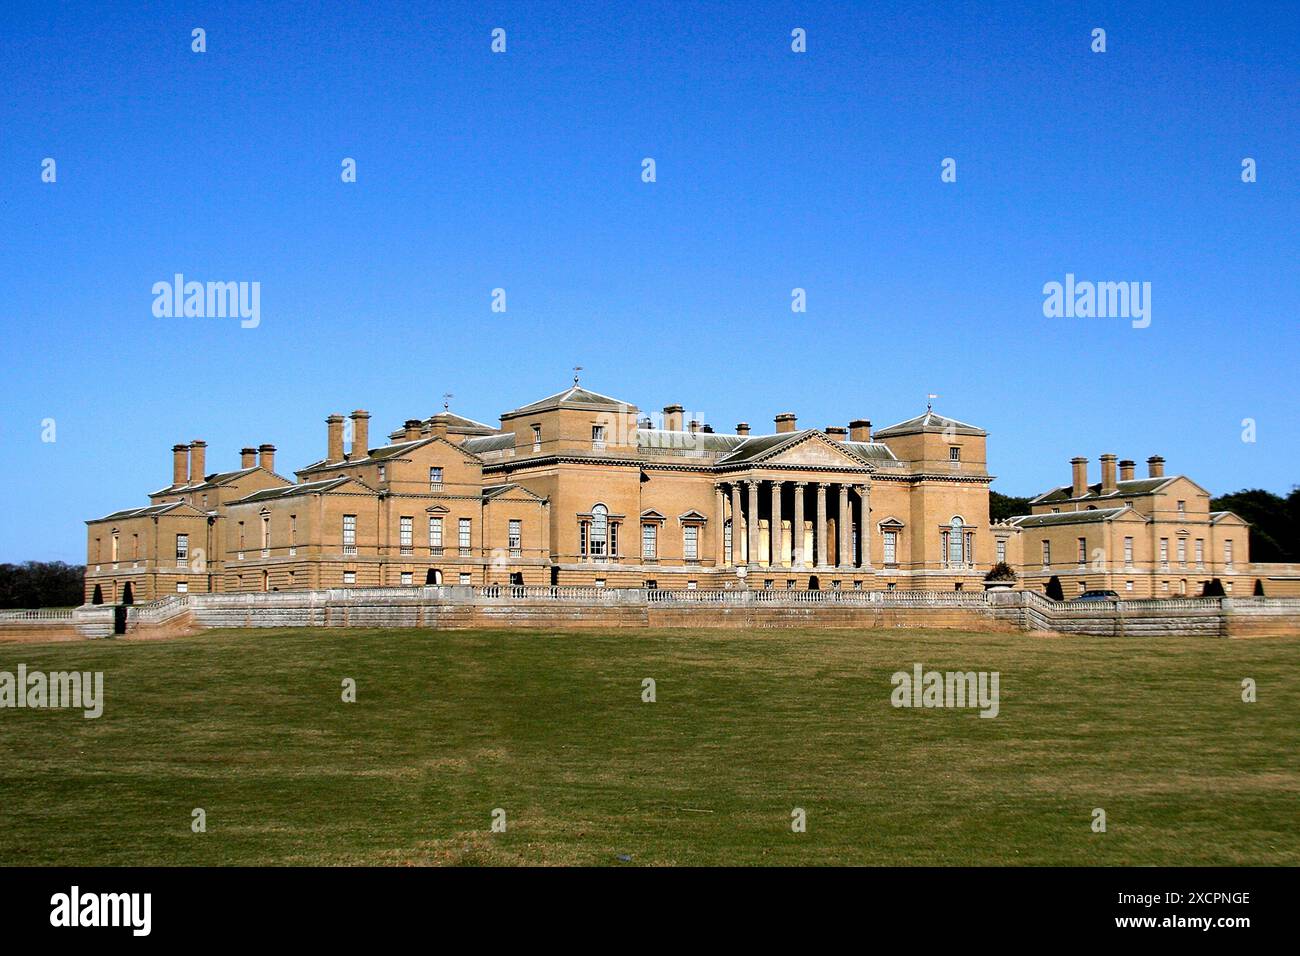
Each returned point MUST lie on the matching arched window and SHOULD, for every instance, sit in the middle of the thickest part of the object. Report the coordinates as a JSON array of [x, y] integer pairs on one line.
[[599, 529], [955, 541]]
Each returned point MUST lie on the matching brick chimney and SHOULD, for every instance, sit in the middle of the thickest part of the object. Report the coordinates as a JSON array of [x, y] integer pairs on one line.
[[266, 456], [360, 434], [837, 433], [742, 428], [786, 422], [860, 430], [1126, 469], [1156, 466], [180, 465], [438, 429], [411, 429], [1108, 486], [334, 431], [673, 418], [198, 460], [1079, 485], [247, 457]]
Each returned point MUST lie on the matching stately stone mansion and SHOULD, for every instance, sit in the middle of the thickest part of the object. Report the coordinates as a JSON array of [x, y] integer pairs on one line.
[[582, 489]]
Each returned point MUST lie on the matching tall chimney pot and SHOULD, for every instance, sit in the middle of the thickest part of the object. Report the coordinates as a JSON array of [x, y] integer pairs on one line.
[[1156, 466], [1079, 484], [266, 456], [180, 465], [334, 433], [360, 434], [1108, 486], [1126, 469], [786, 422], [247, 457], [198, 463], [742, 428]]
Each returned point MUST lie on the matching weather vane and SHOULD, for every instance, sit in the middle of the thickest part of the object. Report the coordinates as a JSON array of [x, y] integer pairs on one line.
[[576, 370], [929, 405], [446, 401]]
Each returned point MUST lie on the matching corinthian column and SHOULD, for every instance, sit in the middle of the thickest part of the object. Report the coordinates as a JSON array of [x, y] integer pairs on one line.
[[820, 559], [796, 527], [751, 523], [776, 534], [864, 526], [737, 543], [719, 517]]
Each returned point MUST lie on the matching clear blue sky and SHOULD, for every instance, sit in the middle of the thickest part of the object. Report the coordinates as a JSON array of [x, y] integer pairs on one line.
[[522, 171]]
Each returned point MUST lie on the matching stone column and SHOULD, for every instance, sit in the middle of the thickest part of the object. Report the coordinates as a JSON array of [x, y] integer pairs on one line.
[[719, 518], [796, 527], [751, 523], [845, 529], [821, 558], [864, 526], [776, 535], [737, 543]]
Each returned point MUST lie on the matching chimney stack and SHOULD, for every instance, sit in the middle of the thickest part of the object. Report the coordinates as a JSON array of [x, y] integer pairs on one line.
[[1108, 486], [786, 421], [334, 430], [438, 428], [1156, 466], [247, 457], [837, 433], [1079, 485], [1126, 469], [360, 434], [198, 464], [180, 465], [695, 426], [266, 456], [742, 428], [412, 429], [860, 430], [673, 418]]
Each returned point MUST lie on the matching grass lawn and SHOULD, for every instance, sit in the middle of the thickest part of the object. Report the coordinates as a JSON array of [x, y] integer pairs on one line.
[[747, 726]]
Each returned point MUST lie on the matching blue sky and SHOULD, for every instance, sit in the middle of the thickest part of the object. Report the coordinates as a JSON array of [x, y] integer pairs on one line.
[[522, 170]]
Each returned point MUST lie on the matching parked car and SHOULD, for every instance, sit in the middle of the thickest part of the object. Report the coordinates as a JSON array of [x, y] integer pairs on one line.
[[1096, 596]]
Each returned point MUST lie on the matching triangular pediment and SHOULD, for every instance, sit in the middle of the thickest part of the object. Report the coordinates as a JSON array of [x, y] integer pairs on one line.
[[814, 450]]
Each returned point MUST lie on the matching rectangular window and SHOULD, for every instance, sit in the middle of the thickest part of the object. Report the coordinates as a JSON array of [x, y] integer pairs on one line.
[[649, 541], [515, 537], [383, 473], [598, 437], [1200, 552], [1083, 550], [115, 547], [435, 535], [1164, 552], [891, 547], [406, 579], [1182, 551], [537, 438], [349, 577], [691, 542], [266, 532], [1128, 585], [182, 549], [1182, 507], [240, 553], [293, 535], [1227, 552], [435, 479], [1128, 552], [349, 534], [1047, 554], [1002, 550], [613, 539], [463, 535], [725, 557], [464, 578], [954, 453], [182, 587], [405, 534]]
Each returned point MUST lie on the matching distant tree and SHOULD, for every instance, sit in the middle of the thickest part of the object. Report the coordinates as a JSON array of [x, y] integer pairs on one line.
[[1274, 521], [36, 584], [1213, 588], [1054, 590], [1002, 506], [1000, 572]]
